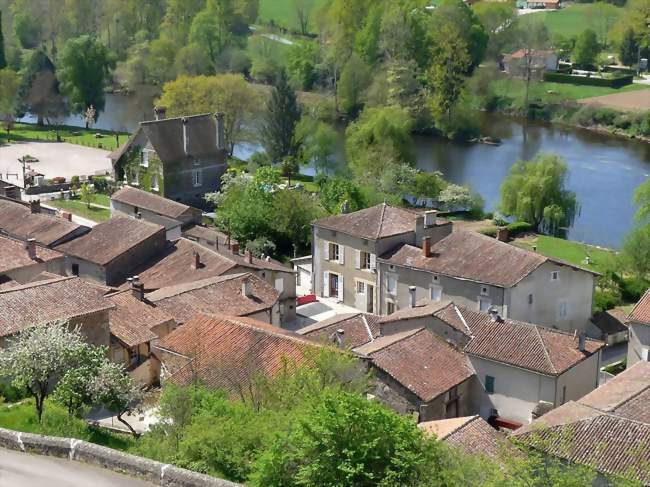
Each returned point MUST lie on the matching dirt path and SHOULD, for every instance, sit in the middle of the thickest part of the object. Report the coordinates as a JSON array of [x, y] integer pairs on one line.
[[631, 101]]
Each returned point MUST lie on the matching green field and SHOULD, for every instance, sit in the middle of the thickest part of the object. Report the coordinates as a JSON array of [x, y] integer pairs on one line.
[[79, 208], [572, 20], [283, 13], [74, 135], [568, 251]]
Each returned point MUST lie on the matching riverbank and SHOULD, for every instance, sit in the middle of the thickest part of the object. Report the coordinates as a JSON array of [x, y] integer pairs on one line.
[[95, 138]]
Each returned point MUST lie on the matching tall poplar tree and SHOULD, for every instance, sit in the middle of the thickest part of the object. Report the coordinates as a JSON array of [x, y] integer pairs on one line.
[[279, 125], [3, 59]]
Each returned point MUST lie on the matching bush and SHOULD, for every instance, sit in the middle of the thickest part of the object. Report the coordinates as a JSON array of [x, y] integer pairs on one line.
[[490, 232], [632, 288], [518, 228], [12, 394], [101, 184], [614, 82], [74, 181], [604, 300], [58, 180]]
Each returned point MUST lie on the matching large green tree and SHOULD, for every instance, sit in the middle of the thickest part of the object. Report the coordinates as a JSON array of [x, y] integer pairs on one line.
[[587, 48], [3, 59], [279, 125], [40, 91], [355, 78], [85, 65], [534, 192], [628, 51]]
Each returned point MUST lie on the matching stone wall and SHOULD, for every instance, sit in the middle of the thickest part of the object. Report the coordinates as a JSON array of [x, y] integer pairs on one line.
[[82, 451]]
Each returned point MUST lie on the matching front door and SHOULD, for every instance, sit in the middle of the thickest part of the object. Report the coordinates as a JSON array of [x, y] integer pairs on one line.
[[334, 285], [370, 295]]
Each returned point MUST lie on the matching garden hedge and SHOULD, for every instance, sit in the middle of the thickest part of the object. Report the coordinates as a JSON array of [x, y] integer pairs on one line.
[[616, 82]]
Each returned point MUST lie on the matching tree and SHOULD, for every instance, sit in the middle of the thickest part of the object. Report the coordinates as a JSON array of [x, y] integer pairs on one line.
[[279, 124], [302, 59], [498, 18], [636, 251], [207, 33], [534, 192], [303, 10], [642, 200], [355, 77], [9, 91], [532, 37], [629, 49], [587, 48], [294, 212], [455, 198], [339, 190], [84, 69], [38, 356], [74, 389], [318, 141], [229, 94], [3, 59], [114, 389], [40, 88], [87, 194], [428, 184]]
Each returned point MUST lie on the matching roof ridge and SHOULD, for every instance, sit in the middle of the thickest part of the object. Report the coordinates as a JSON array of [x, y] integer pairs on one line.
[[628, 399], [461, 426], [30, 285], [208, 281], [365, 322], [407, 334], [381, 220], [546, 354], [645, 294], [171, 119]]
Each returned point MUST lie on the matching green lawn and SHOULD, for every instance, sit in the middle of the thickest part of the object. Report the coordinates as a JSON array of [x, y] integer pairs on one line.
[[102, 199], [568, 251], [283, 13], [79, 208], [74, 135], [572, 20]]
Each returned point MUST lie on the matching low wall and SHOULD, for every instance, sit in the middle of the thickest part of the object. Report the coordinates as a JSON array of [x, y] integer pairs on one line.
[[82, 451]]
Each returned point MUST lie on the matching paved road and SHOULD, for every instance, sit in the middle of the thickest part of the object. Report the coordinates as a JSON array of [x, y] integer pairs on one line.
[[24, 470]]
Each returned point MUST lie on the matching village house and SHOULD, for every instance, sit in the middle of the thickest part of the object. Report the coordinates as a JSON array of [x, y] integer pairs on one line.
[[150, 207], [537, 61], [482, 273], [178, 158], [209, 237], [608, 429], [22, 261], [345, 249], [25, 220], [518, 365], [638, 322], [63, 299], [229, 353], [244, 295], [113, 249], [346, 331], [186, 261]]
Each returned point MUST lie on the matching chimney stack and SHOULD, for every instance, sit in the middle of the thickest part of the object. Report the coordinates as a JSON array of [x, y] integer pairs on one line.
[[502, 234], [337, 337], [30, 245], [221, 134], [66, 215], [235, 248], [430, 218], [138, 216], [196, 262], [412, 290], [249, 256], [582, 341], [137, 288], [246, 288], [426, 246], [186, 140], [35, 206], [494, 314], [160, 113]]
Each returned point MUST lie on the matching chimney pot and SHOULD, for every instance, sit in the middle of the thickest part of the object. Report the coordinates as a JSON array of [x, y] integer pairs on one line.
[[31, 248], [582, 341], [160, 113], [412, 290], [137, 288], [246, 288], [494, 315], [426, 246], [66, 215], [235, 248], [430, 218], [35, 206]]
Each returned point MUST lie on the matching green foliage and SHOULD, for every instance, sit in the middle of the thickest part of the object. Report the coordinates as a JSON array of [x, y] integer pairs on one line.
[[100, 184], [535, 192], [85, 65], [354, 79], [611, 82], [87, 194], [317, 141], [587, 48], [9, 90], [517, 228], [338, 190], [628, 51], [461, 198], [636, 251], [27, 29], [642, 200], [3, 59], [606, 299], [303, 59], [632, 288], [279, 125], [428, 184]]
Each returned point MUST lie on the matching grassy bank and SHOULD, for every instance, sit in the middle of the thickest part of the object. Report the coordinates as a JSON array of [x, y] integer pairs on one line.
[[79, 208], [283, 13], [572, 20], [75, 135]]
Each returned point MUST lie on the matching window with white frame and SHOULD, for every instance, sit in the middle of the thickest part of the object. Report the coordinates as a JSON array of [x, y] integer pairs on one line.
[[365, 260], [392, 285], [334, 251], [145, 157], [361, 287], [154, 182], [436, 293], [562, 309], [197, 177], [555, 276]]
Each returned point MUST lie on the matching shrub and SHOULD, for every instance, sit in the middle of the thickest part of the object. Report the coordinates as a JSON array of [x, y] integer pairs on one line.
[[12, 394], [58, 180], [604, 300], [632, 288], [518, 228], [74, 181], [490, 232], [613, 82], [101, 184]]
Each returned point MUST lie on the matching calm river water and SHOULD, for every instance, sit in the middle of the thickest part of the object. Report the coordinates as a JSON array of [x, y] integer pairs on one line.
[[603, 170]]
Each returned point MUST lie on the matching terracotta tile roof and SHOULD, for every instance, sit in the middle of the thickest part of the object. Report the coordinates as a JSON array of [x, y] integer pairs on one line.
[[472, 256], [611, 444], [358, 329], [641, 311], [14, 255], [421, 310], [420, 361], [132, 320], [376, 222], [228, 352], [472, 434], [518, 343], [152, 202], [17, 220], [221, 295], [110, 239], [48, 301], [209, 234]]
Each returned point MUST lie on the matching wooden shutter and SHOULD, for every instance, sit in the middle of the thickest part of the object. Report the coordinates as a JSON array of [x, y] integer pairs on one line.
[[326, 284], [357, 259], [341, 254], [326, 250], [340, 296], [373, 262]]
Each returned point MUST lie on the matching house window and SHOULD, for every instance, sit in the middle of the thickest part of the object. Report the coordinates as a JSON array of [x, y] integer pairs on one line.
[[484, 304], [390, 308], [435, 279], [361, 287], [333, 251], [197, 177], [645, 354], [436, 293], [555, 276], [365, 260], [145, 158], [154, 182], [562, 309], [136, 178], [485, 291], [530, 299], [75, 269], [392, 285], [489, 384], [563, 394]]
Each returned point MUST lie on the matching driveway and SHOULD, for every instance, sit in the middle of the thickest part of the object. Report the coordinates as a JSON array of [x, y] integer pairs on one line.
[[54, 159], [19, 469]]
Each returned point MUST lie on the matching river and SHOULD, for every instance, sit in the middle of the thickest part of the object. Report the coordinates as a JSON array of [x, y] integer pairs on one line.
[[603, 170]]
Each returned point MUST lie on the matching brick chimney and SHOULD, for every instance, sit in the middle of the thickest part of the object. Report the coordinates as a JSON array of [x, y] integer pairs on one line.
[[35, 206], [30, 245], [235, 248], [137, 288], [502, 234], [246, 289], [196, 261], [430, 218], [249, 256], [160, 113], [66, 215], [412, 290], [426, 246]]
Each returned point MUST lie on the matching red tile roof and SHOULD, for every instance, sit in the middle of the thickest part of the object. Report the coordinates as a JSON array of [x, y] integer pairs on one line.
[[419, 360], [228, 352], [472, 256], [422, 309], [221, 295], [641, 312], [14, 255], [152, 202], [132, 320], [358, 329], [472, 434], [111, 239], [48, 301]]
